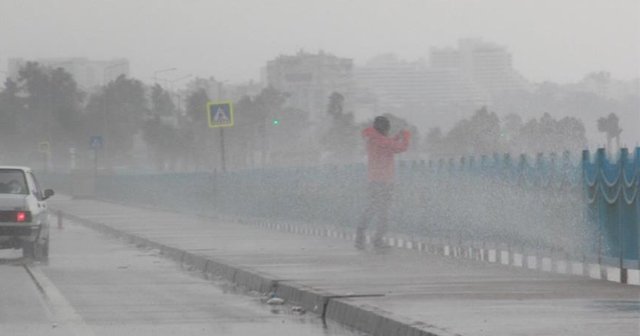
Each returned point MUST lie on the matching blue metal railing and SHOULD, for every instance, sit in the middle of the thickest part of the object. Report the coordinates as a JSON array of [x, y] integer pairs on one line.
[[613, 202], [534, 203]]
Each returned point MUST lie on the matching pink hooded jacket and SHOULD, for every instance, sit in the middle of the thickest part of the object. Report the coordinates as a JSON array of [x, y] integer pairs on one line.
[[380, 151]]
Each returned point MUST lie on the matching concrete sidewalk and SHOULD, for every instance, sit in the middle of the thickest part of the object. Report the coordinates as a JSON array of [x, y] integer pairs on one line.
[[400, 292]]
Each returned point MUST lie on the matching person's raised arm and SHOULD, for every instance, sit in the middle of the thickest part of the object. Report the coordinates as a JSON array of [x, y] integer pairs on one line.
[[397, 144]]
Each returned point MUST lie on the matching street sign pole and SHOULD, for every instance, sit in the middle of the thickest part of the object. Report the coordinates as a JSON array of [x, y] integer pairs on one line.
[[95, 163], [224, 166], [97, 143], [220, 115], [45, 148]]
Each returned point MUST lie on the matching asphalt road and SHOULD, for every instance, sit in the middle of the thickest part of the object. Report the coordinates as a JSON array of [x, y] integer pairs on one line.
[[97, 285]]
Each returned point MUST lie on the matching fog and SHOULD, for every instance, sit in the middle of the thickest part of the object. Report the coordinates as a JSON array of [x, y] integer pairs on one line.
[[181, 120], [570, 63], [550, 40]]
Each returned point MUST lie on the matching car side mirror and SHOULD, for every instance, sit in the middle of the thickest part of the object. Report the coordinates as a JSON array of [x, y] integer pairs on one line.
[[48, 193]]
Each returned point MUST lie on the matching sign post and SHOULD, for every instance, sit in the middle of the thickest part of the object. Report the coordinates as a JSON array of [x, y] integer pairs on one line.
[[45, 148], [96, 144], [220, 115]]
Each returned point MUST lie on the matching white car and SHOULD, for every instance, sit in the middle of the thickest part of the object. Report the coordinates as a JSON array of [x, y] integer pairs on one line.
[[24, 219]]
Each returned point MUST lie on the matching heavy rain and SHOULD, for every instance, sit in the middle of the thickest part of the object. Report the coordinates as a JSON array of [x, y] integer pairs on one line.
[[320, 167]]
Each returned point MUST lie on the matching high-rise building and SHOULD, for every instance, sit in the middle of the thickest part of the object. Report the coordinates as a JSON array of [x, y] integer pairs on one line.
[[309, 79], [453, 83], [87, 73], [414, 90], [392, 81], [488, 66]]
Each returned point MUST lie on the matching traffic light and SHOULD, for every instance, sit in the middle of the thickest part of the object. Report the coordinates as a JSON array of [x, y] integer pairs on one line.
[[275, 122]]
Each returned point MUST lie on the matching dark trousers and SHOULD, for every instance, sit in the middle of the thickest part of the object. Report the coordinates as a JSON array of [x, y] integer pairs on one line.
[[379, 203]]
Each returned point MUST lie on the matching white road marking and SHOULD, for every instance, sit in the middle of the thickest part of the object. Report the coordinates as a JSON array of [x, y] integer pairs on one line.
[[62, 313]]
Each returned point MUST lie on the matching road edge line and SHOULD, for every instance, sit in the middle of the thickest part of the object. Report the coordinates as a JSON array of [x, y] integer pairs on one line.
[[309, 298], [61, 309]]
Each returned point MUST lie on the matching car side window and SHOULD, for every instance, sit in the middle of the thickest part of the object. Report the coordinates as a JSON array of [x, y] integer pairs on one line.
[[37, 192]]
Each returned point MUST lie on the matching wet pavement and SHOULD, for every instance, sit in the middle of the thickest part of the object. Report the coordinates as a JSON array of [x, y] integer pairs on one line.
[[96, 285], [443, 295]]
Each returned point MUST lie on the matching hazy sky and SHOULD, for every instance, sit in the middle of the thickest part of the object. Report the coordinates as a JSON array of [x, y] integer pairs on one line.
[[558, 40]]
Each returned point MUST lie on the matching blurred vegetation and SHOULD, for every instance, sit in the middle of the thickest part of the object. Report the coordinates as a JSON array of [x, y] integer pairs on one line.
[[154, 128], [485, 133]]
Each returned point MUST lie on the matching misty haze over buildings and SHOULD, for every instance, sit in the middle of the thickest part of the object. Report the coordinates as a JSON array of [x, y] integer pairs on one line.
[[557, 41], [431, 63]]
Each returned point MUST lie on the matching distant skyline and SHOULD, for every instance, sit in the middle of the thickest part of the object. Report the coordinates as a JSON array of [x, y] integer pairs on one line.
[[558, 41]]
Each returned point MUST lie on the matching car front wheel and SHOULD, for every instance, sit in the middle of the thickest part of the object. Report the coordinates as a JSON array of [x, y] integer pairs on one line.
[[35, 251], [44, 250], [29, 249]]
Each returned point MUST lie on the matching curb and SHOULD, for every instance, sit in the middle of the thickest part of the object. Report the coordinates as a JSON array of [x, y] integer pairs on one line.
[[376, 322], [587, 267], [337, 308], [542, 261]]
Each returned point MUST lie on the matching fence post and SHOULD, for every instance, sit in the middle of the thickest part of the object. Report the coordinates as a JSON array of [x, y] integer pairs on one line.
[[621, 200], [60, 219]]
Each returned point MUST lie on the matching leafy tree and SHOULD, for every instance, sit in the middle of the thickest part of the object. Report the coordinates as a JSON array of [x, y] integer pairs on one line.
[[573, 134], [195, 130], [482, 134], [10, 107], [587, 100], [11, 110], [161, 102], [434, 141], [485, 128], [478, 135], [196, 105], [341, 138], [265, 125], [550, 135], [335, 106], [165, 143], [117, 113], [610, 127], [512, 124], [46, 103], [66, 101]]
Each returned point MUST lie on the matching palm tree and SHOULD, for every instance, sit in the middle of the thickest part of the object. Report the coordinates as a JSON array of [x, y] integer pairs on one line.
[[611, 128]]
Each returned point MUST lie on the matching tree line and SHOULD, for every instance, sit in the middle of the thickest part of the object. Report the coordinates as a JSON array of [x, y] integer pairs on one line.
[[143, 128], [142, 122], [485, 133], [135, 120]]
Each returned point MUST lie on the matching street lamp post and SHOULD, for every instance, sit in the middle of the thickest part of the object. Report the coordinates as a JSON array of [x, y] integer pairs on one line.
[[105, 119], [155, 73], [107, 67], [176, 93], [178, 79]]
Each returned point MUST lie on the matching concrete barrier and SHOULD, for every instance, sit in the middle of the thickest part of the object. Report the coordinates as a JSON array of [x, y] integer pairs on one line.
[[377, 322]]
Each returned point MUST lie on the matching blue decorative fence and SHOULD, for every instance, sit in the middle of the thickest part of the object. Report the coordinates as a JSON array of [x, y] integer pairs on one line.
[[613, 203], [549, 202], [529, 203]]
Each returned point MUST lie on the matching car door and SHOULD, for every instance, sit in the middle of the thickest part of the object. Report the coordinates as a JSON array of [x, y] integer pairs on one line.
[[36, 200]]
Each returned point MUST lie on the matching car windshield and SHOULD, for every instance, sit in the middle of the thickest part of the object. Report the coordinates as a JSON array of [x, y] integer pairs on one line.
[[12, 181]]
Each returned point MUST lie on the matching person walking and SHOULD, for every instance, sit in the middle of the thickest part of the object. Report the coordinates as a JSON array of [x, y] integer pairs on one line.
[[381, 170]]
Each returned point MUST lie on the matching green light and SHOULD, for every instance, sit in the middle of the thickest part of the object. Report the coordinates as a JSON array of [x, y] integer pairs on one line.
[[276, 122]]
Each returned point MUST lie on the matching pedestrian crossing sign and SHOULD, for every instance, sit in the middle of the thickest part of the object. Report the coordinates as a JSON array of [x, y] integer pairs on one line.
[[220, 114], [96, 142], [44, 147]]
